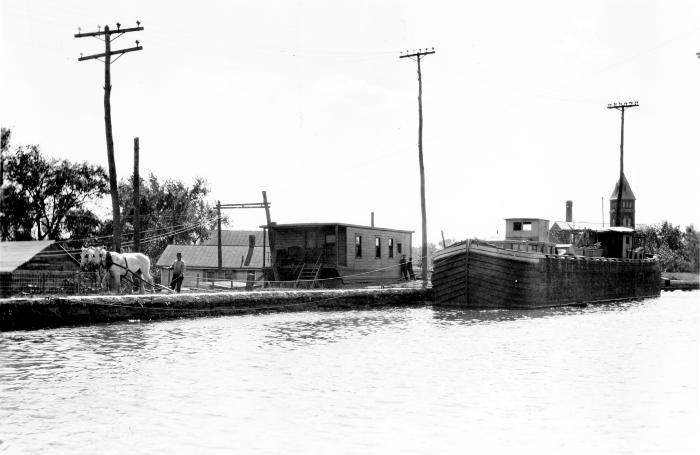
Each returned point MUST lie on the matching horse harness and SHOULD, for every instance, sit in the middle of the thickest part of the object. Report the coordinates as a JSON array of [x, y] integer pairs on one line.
[[109, 263]]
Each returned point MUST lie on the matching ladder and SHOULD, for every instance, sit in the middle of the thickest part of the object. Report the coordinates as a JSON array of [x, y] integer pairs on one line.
[[308, 275]]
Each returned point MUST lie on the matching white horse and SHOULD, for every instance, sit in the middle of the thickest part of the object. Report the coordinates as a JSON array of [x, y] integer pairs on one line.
[[120, 264], [90, 260]]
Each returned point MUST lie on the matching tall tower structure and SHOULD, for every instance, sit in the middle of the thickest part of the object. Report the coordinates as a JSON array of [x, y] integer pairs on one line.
[[627, 202]]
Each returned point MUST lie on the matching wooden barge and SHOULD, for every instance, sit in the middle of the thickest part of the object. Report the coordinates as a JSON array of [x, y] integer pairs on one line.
[[525, 274]]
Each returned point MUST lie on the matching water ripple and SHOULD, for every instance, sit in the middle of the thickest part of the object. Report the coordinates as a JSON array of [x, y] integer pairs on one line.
[[597, 379]]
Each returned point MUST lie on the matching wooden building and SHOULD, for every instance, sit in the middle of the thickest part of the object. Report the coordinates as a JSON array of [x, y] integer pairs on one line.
[[530, 229], [241, 254], [36, 266], [328, 254]]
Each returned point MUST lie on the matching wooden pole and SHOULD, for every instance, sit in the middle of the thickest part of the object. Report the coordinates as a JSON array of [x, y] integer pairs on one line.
[[273, 252], [424, 238], [618, 212], [264, 248], [443, 239], [113, 188], [621, 107], [218, 223], [137, 198]]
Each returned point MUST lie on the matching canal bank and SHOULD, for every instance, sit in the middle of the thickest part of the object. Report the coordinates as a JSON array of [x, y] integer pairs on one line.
[[23, 313]]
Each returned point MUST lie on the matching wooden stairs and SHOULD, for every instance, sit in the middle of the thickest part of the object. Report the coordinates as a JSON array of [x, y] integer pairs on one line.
[[308, 275]]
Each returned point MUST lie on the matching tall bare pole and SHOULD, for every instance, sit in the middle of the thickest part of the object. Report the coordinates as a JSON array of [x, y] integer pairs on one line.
[[137, 198], [218, 242], [271, 235], [424, 239], [621, 107], [107, 55]]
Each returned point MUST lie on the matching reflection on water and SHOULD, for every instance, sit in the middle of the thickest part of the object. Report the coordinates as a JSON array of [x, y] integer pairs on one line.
[[486, 316], [619, 378], [332, 329]]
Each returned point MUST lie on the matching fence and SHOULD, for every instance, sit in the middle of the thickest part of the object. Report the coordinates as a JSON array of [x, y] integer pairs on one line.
[[35, 282]]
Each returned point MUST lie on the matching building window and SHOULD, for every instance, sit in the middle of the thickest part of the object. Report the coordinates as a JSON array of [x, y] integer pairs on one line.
[[527, 226], [391, 248], [358, 246], [398, 248], [517, 226], [377, 247]]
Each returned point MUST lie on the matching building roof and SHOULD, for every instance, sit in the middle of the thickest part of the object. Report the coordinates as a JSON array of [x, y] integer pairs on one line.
[[15, 254], [206, 256], [234, 237], [596, 227], [528, 219], [626, 189], [577, 225], [303, 225]]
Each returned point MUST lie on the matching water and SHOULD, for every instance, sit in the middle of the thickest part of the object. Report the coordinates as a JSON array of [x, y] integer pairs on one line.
[[603, 379]]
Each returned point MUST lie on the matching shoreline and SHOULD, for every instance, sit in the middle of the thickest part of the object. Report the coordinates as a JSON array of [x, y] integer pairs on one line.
[[31, 313]]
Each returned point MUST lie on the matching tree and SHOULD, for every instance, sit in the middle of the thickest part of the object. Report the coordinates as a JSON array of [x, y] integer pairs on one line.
[[691, 244], [171, 212], [40, 195], [677, 250]]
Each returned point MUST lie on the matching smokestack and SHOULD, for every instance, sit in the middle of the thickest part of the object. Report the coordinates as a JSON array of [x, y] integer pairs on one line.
[[372, 219], [569, 211]]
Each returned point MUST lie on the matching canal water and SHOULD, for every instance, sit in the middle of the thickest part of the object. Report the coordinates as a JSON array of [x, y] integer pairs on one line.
[[608, 379]]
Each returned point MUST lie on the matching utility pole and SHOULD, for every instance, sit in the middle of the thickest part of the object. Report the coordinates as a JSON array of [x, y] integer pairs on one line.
[[137, 198], [218, 223], [417, 55], [621, 107], [271, 235], [106, 36]]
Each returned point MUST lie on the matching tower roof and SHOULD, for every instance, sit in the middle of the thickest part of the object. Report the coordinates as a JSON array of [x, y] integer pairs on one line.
[[626, 189]]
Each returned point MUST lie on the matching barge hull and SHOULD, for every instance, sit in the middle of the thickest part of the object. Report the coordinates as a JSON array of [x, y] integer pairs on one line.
[[479, 275]]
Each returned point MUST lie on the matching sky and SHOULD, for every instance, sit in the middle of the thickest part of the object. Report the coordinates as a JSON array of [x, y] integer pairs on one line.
[[310, 102]]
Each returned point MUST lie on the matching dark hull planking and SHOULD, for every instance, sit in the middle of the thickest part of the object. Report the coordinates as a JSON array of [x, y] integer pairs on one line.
[[478, 275]]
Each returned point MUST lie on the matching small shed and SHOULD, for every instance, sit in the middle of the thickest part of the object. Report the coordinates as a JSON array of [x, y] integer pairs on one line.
[[529, 229], [36, 266]]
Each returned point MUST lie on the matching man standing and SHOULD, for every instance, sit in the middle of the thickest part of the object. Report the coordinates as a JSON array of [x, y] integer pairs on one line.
[[178, 269], [404, 268], [409, 267]]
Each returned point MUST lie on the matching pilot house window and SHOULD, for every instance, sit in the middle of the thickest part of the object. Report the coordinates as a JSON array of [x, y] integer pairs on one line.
[[377, 247], [358, 246]]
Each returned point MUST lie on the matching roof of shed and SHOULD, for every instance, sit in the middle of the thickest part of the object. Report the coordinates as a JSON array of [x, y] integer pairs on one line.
[[206, 256], [314, 225], [234, 237], [596, 227], [15, 254]]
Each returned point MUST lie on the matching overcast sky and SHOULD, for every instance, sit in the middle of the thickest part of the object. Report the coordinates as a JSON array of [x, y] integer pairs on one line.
[[309, 101]]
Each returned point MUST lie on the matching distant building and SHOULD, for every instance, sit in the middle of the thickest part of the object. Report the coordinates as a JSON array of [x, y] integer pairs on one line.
[[328, 254], [241, 257], [628, 204], [36, 266], [530, 229]]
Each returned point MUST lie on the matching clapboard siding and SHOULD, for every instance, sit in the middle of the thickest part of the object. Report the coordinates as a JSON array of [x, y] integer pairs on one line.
[[492, 277]]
